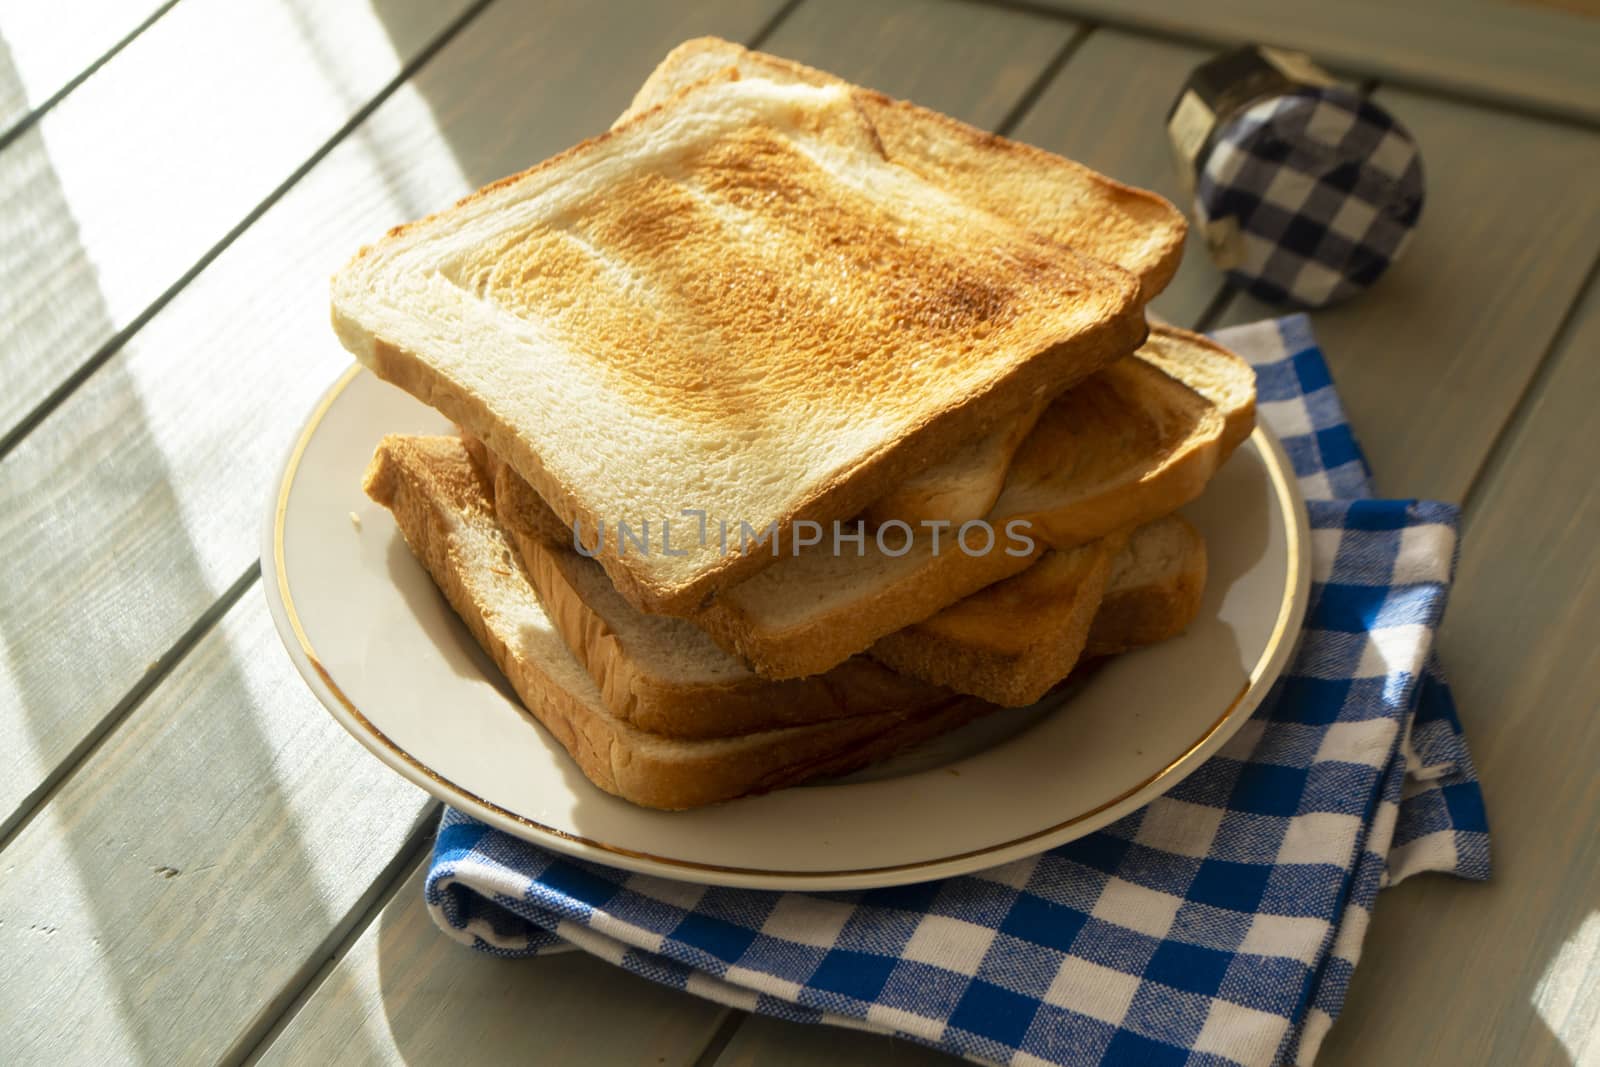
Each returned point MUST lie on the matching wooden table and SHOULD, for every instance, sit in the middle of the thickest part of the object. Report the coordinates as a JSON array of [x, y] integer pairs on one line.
[[197, 864]]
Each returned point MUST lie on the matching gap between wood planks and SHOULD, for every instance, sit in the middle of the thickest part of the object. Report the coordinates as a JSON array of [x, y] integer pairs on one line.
[[29, 119], [1535, 385], [258, 1038], [721, 1037], [36, 801], [1030, 96], [85, 370]]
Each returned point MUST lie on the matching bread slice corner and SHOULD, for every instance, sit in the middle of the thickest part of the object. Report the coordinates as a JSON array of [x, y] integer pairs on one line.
[[1154, 590], [1211, 370], [1010, 643], [1126, 446]]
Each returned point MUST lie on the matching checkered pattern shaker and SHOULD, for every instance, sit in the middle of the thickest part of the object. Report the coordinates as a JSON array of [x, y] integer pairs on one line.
[[1303, 191], [1306, 198], [1218, 925]]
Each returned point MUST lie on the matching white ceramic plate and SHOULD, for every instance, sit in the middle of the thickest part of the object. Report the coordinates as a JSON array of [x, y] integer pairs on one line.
[[381, 648]]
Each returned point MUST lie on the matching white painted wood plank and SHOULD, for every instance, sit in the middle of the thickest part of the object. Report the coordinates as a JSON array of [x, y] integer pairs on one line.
[[1108, 108], [129, 181], [171, 896], [43, 47], [1509, 972], [1430, 362], [1481, 49], [134, 505], [406, 994], [950, 55]]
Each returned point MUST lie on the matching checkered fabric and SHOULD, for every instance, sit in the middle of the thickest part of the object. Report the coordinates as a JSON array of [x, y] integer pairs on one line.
[[1306, 198], [1218, 925]]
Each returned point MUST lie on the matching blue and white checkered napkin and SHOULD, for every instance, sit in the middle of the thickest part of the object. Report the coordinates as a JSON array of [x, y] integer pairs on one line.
[[1218, 925]]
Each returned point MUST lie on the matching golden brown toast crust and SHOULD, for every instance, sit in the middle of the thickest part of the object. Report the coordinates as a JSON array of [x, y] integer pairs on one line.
[[758, 298], [1142, 609], [1217, 374], [1133, 228], [1140, 441], [939, 292], [963, 487], [519, 508], [1010, 643]]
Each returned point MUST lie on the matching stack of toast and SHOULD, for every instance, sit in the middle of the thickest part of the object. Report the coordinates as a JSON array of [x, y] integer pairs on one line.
[[797, 425]]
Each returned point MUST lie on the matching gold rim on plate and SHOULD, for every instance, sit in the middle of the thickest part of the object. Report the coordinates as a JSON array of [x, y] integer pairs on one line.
[[1272, 458]]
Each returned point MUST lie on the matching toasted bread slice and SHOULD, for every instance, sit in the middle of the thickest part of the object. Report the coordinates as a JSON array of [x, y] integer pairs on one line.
[[444, 511], [1154, 590], [522, 512], [963, 487], [820, 322], [1010, 643], [1133, 228], [968, 484], [1127, 446], [1212, 371], [1014, 640], [662, 674]]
